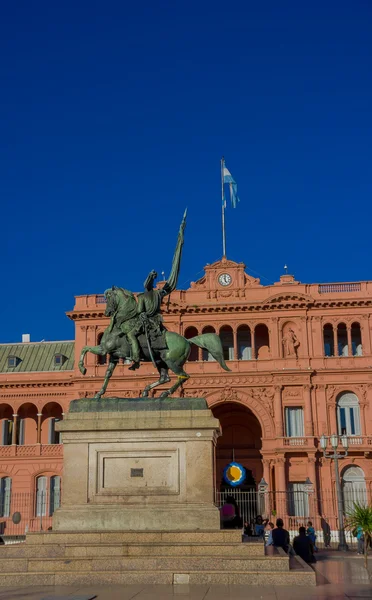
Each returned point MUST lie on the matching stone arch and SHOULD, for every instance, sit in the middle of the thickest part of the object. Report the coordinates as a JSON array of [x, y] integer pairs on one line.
[[258, 409]]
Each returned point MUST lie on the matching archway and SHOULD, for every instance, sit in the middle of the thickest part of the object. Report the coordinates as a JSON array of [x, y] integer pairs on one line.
[[240, 441]]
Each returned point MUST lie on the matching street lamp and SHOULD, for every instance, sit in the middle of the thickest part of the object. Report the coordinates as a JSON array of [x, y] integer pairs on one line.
[[334, 440]]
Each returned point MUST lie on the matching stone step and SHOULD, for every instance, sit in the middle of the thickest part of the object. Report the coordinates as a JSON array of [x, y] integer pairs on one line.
[[144, 549], [146, 563], [306, 577], [133, 537]]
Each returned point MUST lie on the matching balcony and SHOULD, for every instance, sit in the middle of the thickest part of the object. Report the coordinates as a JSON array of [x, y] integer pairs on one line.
[[43, 450], [297, 443]]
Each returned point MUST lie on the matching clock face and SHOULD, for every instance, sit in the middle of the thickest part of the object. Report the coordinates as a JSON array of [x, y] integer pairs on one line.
[[224, 279]]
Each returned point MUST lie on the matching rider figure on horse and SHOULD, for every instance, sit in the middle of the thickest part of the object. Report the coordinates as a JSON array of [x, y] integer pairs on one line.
[[150, 320]]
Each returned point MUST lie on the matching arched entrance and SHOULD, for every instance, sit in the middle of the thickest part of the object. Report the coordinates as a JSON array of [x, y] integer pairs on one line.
[[240, 442]]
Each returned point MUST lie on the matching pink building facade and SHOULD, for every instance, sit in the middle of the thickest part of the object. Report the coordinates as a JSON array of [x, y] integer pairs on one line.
[[301, 366]]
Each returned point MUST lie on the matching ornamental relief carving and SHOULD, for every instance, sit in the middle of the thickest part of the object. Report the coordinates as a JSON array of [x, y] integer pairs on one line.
[[229, 394], [216, 381], [265, 396], [292, 392]]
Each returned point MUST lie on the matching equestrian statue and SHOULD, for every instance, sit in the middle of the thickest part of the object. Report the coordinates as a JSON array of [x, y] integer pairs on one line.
[[136, 332]]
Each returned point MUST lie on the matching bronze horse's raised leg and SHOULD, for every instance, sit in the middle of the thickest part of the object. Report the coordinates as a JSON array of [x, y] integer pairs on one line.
[[98, 350], [164, 378], [109, 371]]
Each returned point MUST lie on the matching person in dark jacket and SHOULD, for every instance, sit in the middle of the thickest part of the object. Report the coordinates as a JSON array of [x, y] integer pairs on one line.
[[303, 546], [280, 536]]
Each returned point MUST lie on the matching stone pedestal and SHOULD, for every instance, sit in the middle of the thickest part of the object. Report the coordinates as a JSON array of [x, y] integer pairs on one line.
[[138, 465]]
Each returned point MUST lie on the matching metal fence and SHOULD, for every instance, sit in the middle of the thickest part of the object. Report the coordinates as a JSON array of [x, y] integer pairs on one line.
[[23, 512], [296, 508]]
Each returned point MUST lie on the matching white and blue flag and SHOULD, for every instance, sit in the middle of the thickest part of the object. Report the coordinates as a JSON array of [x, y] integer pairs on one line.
[[228, 178]]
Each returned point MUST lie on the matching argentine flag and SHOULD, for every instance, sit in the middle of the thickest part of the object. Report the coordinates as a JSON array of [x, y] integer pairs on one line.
[[228, 178]]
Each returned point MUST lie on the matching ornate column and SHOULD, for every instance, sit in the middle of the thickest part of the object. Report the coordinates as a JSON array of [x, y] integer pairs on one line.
[[14, 432], [252, 328], [278, 413], [320, 406], [266, 472], [335, 344], [304, 338], [309, 430], [275, 338], [331, 409], [235, 334], [349, 344], [38, 437], [366, 336], [280, 482], [312, 470]]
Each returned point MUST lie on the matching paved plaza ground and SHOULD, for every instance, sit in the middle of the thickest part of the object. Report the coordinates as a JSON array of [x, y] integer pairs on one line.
[[338, 577]]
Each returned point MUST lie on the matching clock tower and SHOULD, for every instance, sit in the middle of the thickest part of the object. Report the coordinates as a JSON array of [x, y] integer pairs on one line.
[[225, 278]]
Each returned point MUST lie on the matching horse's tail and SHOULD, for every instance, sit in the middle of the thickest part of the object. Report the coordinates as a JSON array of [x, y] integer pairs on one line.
[[212, 343]]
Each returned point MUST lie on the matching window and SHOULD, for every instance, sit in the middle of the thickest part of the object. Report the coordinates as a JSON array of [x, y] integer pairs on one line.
[[227, 341], [262, 342], [343, 348], [294, 422], [328, 339], [356, 340], [244, 343], [6, 432], [12, 361], [5, 493], [20, 433], [348, 414], [353, 487], [55, 494], [53, 435], [41, 496], [59, 359], [298, 500]]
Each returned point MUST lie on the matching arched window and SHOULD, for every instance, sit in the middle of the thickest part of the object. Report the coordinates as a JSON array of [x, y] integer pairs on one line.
[[343, 349], [348, 414], [262, 343], [5, 494], [244, 342], [328, 340], [353, 487], [52, 413], [356, 340], [205, 354], [41, 496], [189, 333], [101, 360], [26, 433], [55, 494], [227, 340]]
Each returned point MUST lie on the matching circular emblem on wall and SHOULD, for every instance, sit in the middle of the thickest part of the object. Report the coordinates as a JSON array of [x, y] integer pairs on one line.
[[16, 518], [234, 474], [224, 279]]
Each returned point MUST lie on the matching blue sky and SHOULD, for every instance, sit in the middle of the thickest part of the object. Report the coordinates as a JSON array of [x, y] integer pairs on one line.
[[114, 117]]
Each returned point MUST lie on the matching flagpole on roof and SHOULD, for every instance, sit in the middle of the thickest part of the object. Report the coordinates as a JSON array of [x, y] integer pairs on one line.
[[223, 209]]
